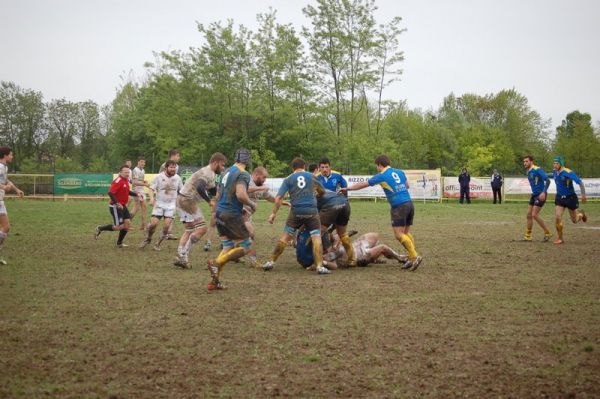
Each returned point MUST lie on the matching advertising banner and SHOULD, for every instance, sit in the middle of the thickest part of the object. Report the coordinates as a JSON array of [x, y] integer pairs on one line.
[[82, 183], [480, 187], [520, 185]]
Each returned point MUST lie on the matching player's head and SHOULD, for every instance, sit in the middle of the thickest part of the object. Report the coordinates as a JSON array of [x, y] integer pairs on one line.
[[558, 162], [141, 162], [313, 168], [128, 163], [170, 167], [242, 156], [259, 175], [382, 162], [527, 161], [174, 155], [6, 154], [124, 172], [298, 163], [325, 166], [217, 162]]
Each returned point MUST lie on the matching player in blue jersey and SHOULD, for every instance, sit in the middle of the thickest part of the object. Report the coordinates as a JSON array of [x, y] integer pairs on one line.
[[539, 182], [334, 210], [302, 187], [330, 179], [395, 186], [566, 196], [229, 218]]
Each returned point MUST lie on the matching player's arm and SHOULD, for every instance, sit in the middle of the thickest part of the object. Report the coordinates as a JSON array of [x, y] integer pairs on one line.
[[10, 186], [202, 189], [241, 192], [278, 201], [356, 186], [343, 184], [319, 189], [577, 180], [546, 180]]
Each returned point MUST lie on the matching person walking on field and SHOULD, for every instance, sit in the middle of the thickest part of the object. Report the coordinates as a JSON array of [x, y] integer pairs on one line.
[[6, 157], [496, 182], [464, 179], [566, 196]]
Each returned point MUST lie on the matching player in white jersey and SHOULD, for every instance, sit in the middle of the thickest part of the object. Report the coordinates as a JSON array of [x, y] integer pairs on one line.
[[6, 157], [165, 186], [175, 156], [138, 176], [257, 191], [194, 190]]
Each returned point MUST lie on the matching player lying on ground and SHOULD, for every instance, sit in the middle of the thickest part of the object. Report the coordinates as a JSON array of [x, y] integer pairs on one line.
[[165, 186]]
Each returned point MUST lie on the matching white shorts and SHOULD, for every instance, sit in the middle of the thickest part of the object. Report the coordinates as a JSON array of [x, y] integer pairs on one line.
[[189, 210], [3, 209], [137, 199], [163, 210]]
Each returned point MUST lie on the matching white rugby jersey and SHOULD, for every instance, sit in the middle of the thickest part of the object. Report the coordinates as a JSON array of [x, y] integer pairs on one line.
[[3, 178], [138, 175], [189, 188], [166, 188]]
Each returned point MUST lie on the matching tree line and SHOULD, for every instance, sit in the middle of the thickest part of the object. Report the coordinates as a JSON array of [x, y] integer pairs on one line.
[[283, 93]]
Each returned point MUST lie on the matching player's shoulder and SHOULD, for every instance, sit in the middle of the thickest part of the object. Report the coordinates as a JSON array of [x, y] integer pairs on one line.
[[335, 172]]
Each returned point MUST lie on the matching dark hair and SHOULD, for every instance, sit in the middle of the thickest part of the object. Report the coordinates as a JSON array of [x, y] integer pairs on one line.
[[530, 157], [325, 161], [383, 160], [312, 167], [173, 152], [123, 167], [169, 163], [4, 151], [298, 163], [141, 158], [218, 157]]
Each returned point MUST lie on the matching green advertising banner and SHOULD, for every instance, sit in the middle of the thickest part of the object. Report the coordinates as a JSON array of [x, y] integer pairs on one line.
[[82, 183]]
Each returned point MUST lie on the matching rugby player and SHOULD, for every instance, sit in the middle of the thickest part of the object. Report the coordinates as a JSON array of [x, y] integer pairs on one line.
[[119, 194], [257, 191], [174, 156], [539, 182], [6, 157], [235, 237], [302, 187], [334, 210], [195, 189], [367, 248], [566, 196], [139, 183], [165, 186], [395, 186], [330, 179]]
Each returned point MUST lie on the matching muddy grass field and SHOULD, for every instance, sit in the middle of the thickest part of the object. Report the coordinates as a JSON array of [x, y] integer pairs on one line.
[[484, 315]]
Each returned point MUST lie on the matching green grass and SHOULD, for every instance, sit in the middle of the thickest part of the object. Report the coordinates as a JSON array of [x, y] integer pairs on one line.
[[484, 316]]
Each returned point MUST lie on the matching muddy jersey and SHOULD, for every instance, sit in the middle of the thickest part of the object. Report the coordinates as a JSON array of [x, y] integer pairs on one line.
[[256, 195], [138, 175], [205, 175], [3, 178], [166, 188]]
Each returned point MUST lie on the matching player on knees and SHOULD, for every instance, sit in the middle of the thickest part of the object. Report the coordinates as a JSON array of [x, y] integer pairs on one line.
[[334, 209], [539, 182], [139, 183], [119, 194], [232, 198], [194, 190], [6, 157], [301, 186], [395, 186], [165, 186], [566, 196]]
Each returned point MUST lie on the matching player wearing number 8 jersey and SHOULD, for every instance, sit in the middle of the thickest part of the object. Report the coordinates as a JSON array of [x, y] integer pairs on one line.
[[395, 186], [302, 187]]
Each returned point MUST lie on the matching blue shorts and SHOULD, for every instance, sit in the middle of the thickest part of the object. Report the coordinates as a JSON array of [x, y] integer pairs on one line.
[[567, 201], [535, 201]]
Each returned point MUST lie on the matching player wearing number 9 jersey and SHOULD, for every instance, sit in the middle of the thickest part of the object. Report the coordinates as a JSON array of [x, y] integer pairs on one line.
[[302, 187], [395, 186]]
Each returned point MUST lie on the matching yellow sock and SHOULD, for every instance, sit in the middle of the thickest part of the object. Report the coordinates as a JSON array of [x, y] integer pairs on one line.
[[232, 254], [279, 248], [412, 238], [317, 252], [408, 244], [347, 243], [559, 229]]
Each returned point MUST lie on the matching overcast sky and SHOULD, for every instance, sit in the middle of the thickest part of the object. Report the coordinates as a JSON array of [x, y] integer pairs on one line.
[[548, 50]]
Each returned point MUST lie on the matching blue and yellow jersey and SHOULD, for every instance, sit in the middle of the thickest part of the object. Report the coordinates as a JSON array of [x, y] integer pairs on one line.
[[564, 179], [394, 184], [538, 180], [301, 186], [329, 200], [229, 203], [333, 182], [304, 252]]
